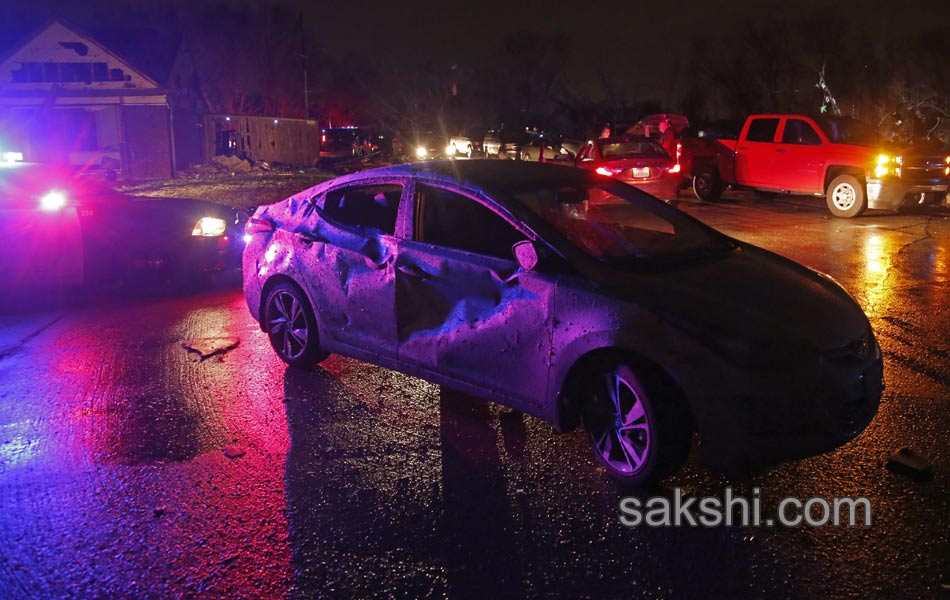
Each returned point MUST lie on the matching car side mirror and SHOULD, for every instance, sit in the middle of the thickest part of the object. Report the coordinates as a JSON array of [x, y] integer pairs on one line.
[[526, 255]]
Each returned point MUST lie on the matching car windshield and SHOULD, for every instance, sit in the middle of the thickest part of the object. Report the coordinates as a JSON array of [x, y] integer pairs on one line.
[[631, 149], [616, 223], [849, 131]]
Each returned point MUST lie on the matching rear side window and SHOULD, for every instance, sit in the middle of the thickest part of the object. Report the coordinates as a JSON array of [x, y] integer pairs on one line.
[[762, 130], [800, 132], [365, 207], [455, 221]]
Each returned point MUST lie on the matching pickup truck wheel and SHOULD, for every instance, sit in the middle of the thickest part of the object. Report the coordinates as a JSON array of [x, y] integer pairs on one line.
[[846, 197], [707, 185]]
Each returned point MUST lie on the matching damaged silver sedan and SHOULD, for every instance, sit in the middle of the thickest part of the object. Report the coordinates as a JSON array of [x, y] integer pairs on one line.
[[502, 280]]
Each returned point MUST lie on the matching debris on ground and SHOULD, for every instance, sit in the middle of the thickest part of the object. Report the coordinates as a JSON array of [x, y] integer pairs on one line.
[[208, 347], [233, 451], [907, 462]]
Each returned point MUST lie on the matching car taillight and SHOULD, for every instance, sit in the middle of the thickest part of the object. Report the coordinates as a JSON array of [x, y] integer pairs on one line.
[[604, 171], [674, 169], [679, 151]]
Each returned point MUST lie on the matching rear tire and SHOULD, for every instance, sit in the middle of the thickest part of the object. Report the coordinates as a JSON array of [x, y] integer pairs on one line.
[[291, 327], [707, 185], [845, 197], [638, 434]]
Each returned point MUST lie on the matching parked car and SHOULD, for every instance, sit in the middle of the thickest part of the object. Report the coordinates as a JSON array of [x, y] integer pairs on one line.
[[423, 145], [65, 229], [505, 143], [501, 279], [344, 142], [463, 144], [635, 160], [107, 161], [553, 151]]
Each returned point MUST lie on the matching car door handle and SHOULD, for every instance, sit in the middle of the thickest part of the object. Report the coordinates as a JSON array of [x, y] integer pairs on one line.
[[309, 238], [780, 150], [413, 271], [742, 148]]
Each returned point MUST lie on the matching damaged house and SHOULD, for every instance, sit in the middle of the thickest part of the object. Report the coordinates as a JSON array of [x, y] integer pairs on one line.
[[65, 97]]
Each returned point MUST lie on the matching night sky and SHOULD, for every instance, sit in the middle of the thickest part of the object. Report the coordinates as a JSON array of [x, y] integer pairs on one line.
[[635, 43]]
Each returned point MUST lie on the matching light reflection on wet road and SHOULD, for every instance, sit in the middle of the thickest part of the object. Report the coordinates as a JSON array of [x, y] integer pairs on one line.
[[131, 468]]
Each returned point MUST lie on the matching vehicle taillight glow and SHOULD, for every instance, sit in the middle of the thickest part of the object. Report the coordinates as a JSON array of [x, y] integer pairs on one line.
[[679, 151], [53, 201], [604, 171], [674, 169], [209, 227], [12, 157], [257, 225]]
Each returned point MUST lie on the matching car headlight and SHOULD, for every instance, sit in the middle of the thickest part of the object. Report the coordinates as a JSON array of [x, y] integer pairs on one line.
[[209, 227], [53, 201], [421, 152], [888, 165]]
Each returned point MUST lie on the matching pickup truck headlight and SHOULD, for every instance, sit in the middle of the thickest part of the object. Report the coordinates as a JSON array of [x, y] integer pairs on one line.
[[209, 227], [888, 165]]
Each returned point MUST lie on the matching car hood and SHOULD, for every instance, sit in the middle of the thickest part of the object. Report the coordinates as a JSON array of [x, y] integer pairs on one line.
[[749, 294]]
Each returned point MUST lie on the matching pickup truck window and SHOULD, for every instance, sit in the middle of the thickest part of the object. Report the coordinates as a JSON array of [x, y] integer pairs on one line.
[[762, 130], [800, 132]]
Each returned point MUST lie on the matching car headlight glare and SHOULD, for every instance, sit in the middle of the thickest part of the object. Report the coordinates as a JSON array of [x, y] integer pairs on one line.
[[53, 201], [421, 152], [209, 227]]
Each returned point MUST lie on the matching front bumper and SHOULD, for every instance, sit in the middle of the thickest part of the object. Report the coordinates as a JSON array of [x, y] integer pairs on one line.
[[192, 257], [893, 194], [788, 414]]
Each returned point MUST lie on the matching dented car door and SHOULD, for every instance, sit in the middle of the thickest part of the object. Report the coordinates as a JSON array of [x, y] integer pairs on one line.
[[464, 308], [350, 249]]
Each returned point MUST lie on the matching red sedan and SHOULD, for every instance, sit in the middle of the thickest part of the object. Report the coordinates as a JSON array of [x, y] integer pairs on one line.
[[635, 160]]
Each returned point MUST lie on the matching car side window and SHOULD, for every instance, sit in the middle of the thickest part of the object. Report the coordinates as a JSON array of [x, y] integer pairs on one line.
[[762, 130], [365, 207], [451, 220], [800, 132]]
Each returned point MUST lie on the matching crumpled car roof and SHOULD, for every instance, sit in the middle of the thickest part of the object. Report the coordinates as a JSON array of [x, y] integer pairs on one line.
[[486, 176]]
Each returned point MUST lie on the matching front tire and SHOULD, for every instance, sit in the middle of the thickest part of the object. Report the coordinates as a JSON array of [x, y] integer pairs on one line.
[[707, 185], [291, 327], [638, 434], [846, 197]]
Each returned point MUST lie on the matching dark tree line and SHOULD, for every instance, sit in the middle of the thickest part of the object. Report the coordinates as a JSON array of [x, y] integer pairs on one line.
[[267, 59]]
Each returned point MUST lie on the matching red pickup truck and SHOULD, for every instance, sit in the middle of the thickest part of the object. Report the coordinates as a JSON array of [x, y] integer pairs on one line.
[[834, 157]]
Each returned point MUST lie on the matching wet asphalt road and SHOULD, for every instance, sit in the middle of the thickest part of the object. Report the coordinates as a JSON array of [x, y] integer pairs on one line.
[[131, 467]]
